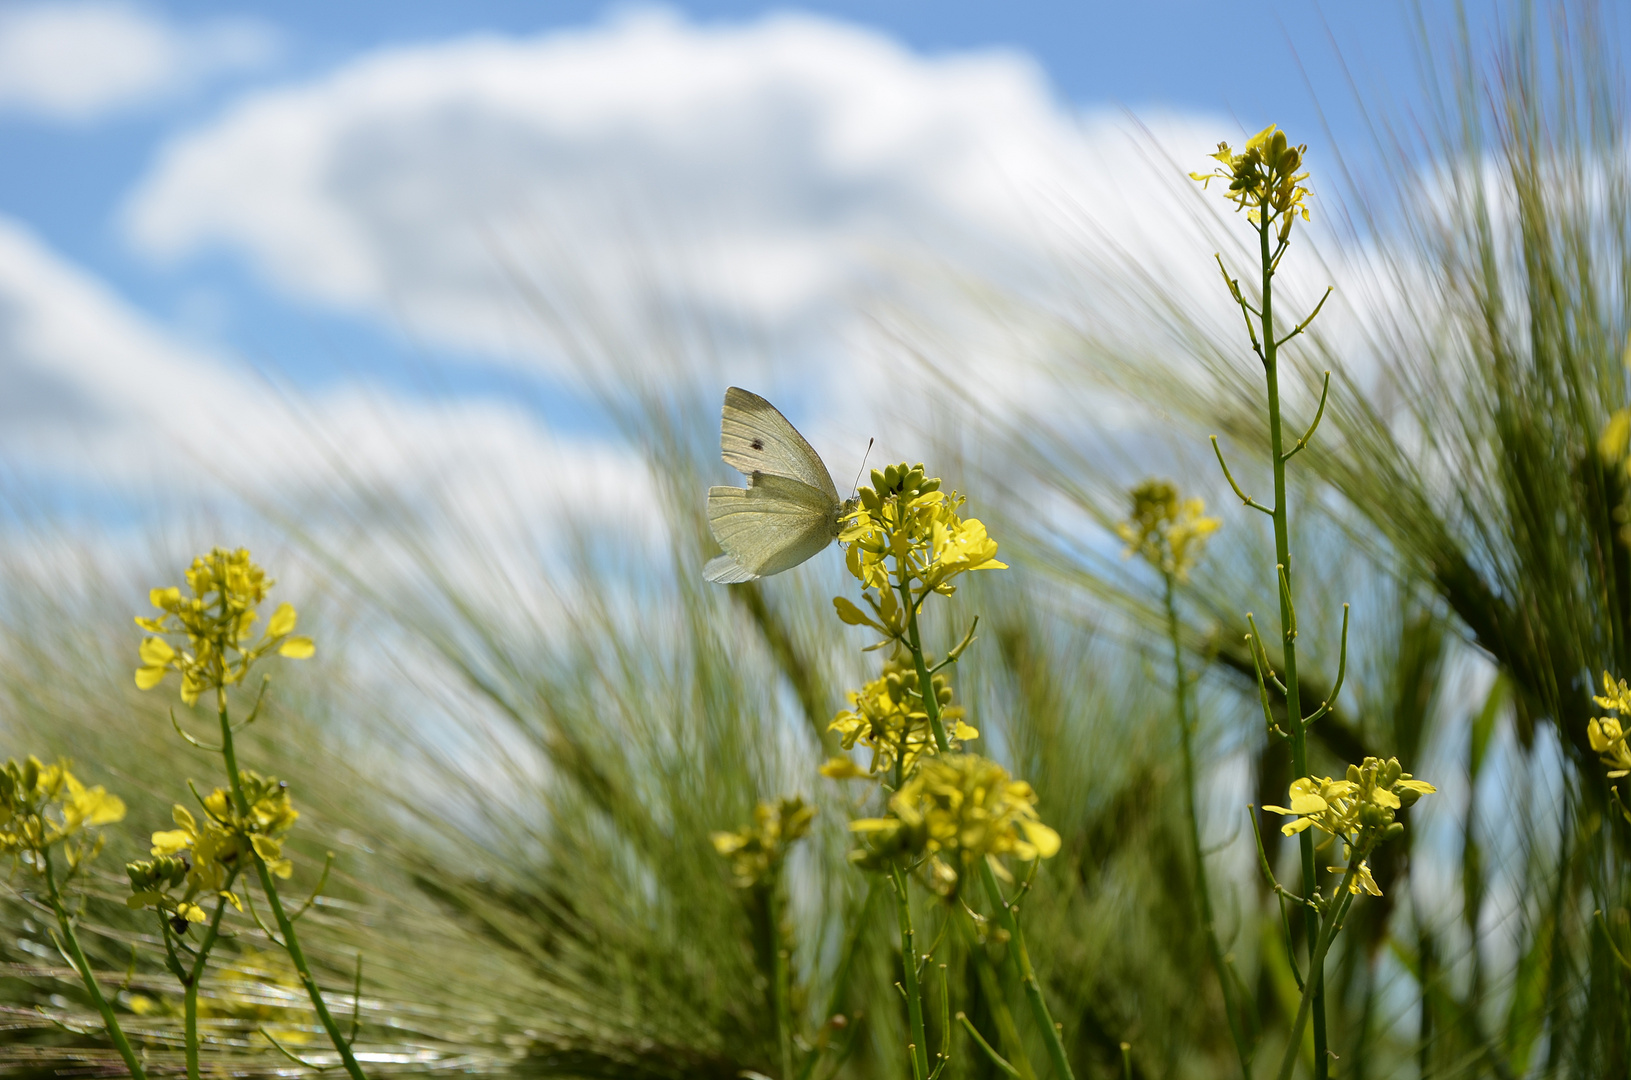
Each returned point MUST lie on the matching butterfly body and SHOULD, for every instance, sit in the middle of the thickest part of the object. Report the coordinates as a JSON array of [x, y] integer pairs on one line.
[[790, 509]]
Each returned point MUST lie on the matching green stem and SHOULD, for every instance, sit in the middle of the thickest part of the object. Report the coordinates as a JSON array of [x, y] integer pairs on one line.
[[1001, 1015], [1334, 917], [1282, 556], [189, 985], [1027, 975], [71, 941], [1005, 914], [914, 996], [782, 976], [925, 682], [1208, 923], [291, 943]]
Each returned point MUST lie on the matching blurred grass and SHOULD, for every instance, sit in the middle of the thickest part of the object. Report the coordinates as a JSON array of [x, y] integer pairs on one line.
[[518, 754]]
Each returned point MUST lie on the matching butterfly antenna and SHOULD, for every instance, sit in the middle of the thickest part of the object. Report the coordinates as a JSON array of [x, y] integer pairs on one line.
[[862, 469]]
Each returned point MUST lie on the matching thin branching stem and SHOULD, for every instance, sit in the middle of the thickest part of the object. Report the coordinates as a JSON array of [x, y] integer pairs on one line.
[[1245, 499], [70, 941], [979, 1040], [1288, 620], [908, 959], [1186, 736], [290, 942]]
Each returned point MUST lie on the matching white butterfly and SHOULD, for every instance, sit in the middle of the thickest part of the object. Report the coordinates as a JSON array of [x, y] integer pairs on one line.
[[789, 510]]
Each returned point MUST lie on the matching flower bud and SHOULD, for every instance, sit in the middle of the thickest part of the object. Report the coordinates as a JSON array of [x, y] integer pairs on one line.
[[1393, 831]]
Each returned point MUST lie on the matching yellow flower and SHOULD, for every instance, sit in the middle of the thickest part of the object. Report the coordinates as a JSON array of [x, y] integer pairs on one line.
[[757, 850], [43, 805], [217, 621], [888, 717], [1607, 734], [1166, 531], [905, 519], [1263, 175], [1358, 809], [957, 808]]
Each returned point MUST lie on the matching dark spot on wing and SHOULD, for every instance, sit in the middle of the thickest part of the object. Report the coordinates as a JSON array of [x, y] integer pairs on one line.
[[758, 444]]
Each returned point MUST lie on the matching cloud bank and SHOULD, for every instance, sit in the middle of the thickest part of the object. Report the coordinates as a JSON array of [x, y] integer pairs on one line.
[[777, 171], [82, 61]]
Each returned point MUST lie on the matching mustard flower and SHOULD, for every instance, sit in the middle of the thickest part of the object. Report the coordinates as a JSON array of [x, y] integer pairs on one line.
[[1358, 809], [905, 517], [757, 851], [1166, 531], [887, 716], [220, 840], [1607, 733], [1264, 174], [45, 805], [217, 620], [957, 808]]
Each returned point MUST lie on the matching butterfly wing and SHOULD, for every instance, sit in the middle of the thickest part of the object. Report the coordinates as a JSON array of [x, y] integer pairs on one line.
[[772, 525], [755, 438]]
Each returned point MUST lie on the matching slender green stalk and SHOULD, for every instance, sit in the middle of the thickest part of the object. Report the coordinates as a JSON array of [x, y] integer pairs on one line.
[[192, 978], [1186, 740], [1288, 623], [1001, 1015], [924, 681], [914, 995], [291, 943], [71, 942], [781, 973], [1334, 917], [1005, 913]]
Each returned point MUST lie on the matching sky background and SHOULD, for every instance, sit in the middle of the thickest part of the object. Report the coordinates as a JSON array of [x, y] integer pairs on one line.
[[239, 243]]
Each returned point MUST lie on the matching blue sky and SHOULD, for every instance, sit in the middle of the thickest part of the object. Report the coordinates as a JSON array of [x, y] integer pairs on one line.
[[344, 197]]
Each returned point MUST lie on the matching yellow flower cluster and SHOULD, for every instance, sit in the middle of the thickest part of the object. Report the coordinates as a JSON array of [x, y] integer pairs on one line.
[[219, 844], [887, 717], [1607, 733], [1358, 809], [904, 515], [217, 620], [42, 805], [758, 849], [1168, 532], [960, 807], [1263, 175]]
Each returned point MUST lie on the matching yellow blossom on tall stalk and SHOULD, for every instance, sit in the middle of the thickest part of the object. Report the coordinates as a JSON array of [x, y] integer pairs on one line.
[[1264, 174], [957, 809], [889, 717], [213, 850], [1608, 733], [905, 518], [756, 851], [217, 620], [241, 831], [45, 805], [1166, 531], [1357, 809]]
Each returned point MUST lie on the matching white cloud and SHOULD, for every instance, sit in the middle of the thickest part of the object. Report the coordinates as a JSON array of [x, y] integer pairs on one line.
[[99, 398], [80, 61], [776, 170]]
